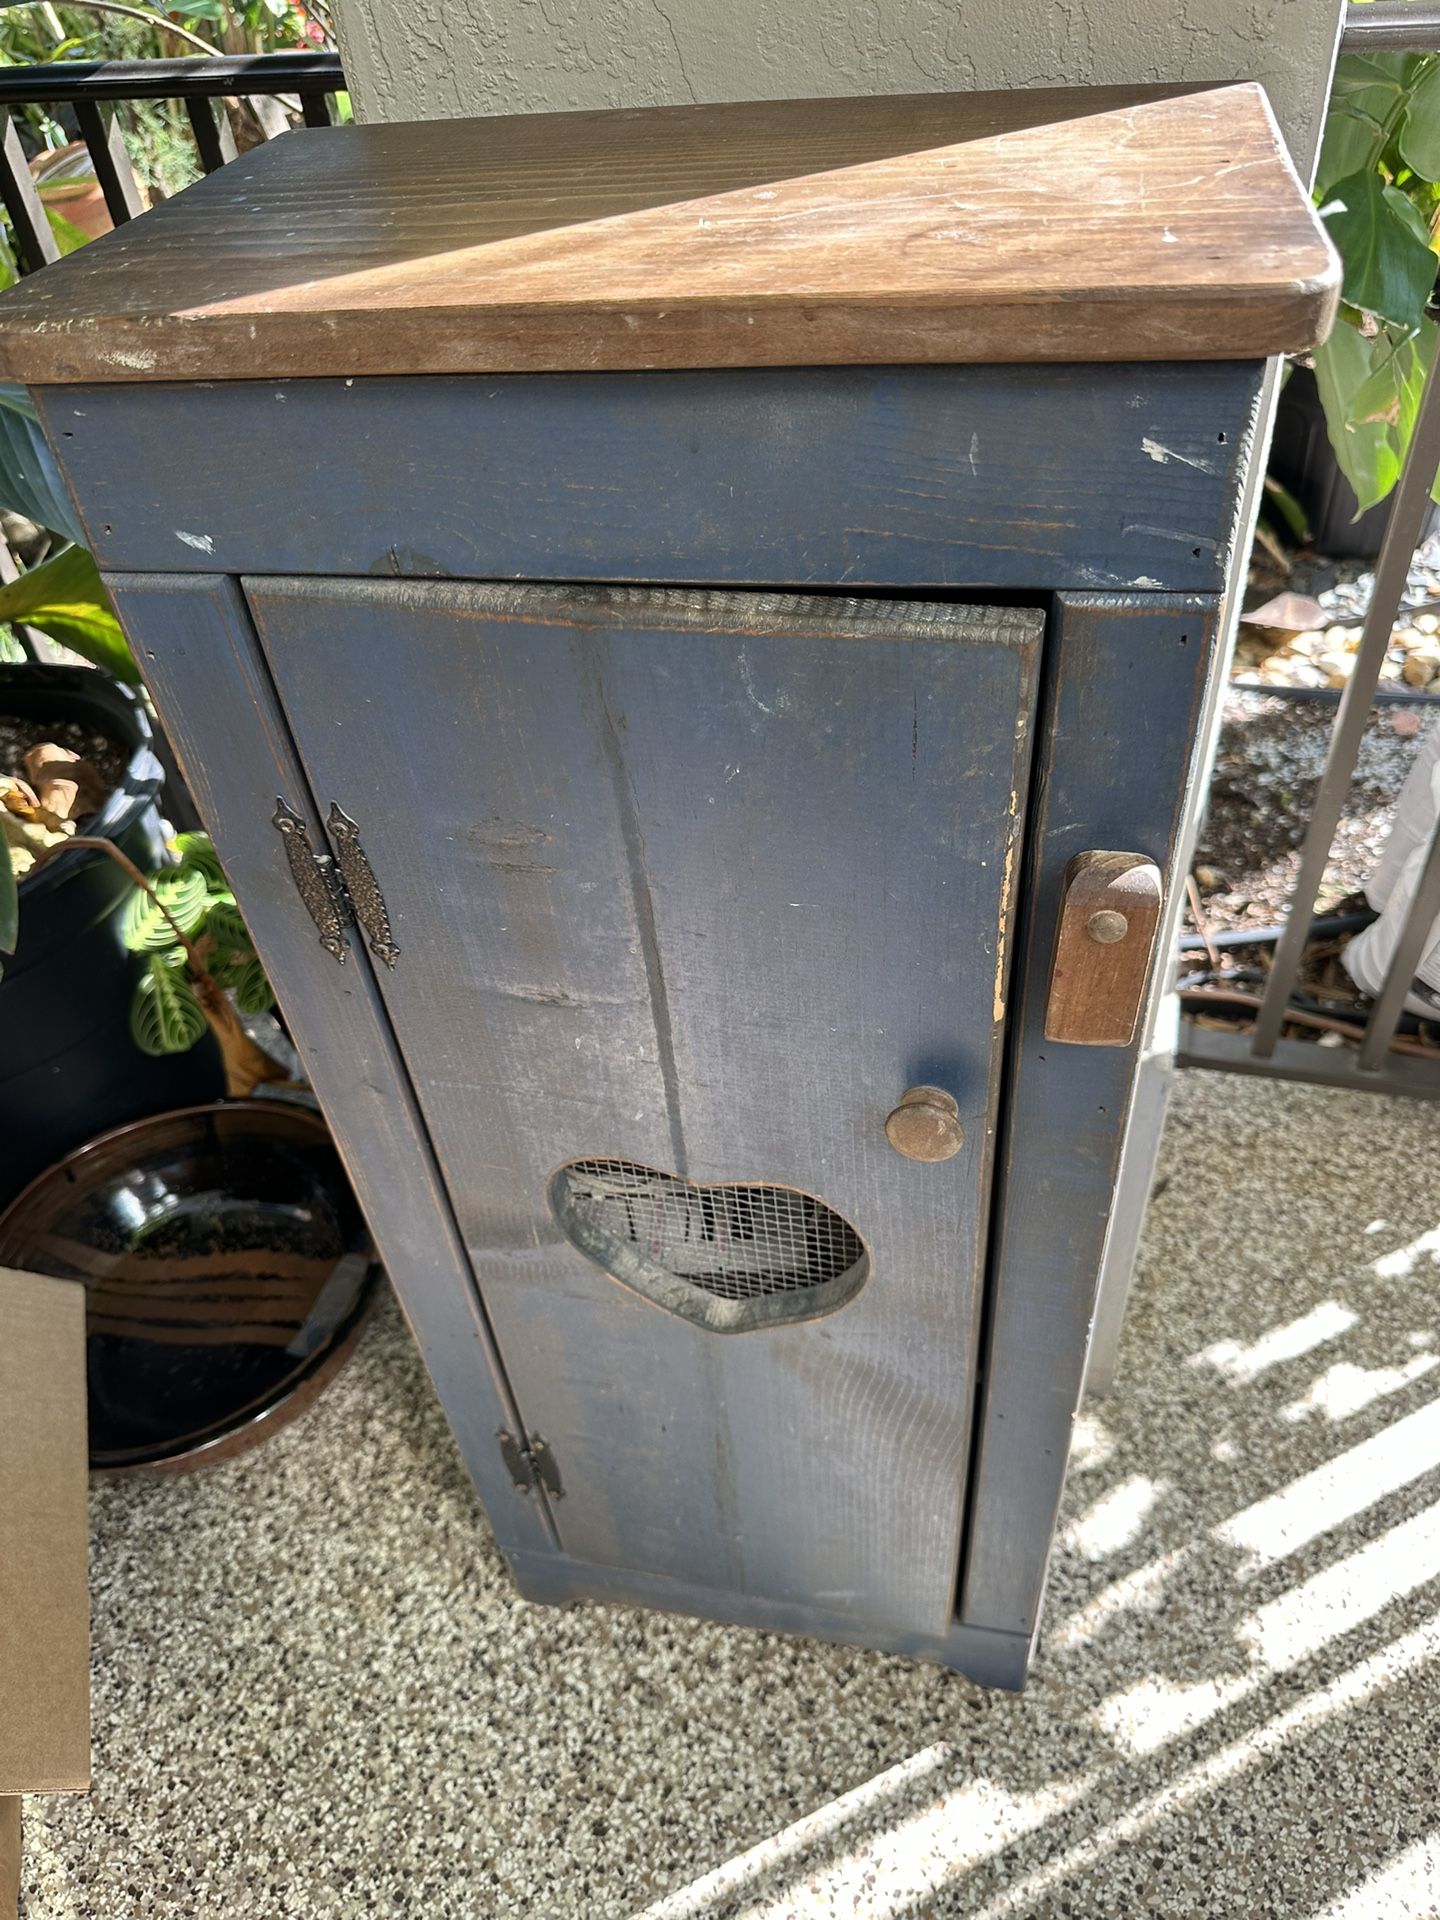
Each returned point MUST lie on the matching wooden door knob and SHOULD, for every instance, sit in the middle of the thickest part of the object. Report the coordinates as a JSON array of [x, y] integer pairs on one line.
[[926, 1125]]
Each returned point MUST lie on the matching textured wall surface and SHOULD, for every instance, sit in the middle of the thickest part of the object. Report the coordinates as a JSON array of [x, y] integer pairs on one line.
[[427, 59]]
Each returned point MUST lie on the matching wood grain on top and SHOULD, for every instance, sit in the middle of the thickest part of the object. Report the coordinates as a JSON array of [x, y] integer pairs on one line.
[[1069, 225]]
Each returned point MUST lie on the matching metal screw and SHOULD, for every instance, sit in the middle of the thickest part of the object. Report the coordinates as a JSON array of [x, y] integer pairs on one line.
[[1106, 927]]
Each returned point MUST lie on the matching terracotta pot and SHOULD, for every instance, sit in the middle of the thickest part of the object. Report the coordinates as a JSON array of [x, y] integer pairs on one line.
[[67, 184]]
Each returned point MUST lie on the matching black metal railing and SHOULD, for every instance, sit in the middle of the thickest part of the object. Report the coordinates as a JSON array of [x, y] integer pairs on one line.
[[94, 88]]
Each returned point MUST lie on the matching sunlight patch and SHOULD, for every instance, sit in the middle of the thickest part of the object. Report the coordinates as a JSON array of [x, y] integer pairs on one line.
[[1116, 1519], [1400, 1264], [1243, 1364], [1090, 1445], [1341, 1694], [1138, 1592], [1405, 1887], [890, 1871], [1343, 1390], [1336, 1491], [1154, 1712], [1354, 1590]]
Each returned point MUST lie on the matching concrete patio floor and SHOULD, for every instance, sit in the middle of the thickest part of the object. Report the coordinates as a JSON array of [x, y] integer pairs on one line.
[[316, 1695]]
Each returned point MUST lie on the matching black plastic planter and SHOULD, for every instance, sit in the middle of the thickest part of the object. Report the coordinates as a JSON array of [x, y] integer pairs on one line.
[[1302, 460], [68, 1067]]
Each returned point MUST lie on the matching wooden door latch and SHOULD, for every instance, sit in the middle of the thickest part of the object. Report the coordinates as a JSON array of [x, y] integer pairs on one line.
[[1109, 922]]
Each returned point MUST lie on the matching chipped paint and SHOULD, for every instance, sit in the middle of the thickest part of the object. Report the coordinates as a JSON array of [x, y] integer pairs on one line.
[[202, 542], [1167, 533], [1007, 879], [1162, 455]]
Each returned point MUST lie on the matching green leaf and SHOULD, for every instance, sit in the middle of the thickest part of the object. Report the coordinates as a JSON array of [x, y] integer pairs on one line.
[[1404, 208], [1393, 391], [64, 597], [1366, 91], [165, 1016], [197, 852], [30, 481], [1388, 271], [1419, 138], [1349, 145], [251, 988], [1364, 448], [227, 930], [68, 236], [1362, 73], [184, 895], [1288, 507], [1371, 389], [9, 902]]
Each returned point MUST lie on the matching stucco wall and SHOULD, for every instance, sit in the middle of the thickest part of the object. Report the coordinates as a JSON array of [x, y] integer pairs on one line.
[[428, 58]]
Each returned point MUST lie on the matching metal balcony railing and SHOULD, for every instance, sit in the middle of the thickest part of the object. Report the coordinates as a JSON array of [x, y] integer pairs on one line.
[[93, 88], [1379, 1059]]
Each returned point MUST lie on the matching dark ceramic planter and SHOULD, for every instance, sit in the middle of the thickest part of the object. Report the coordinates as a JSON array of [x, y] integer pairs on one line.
[[227, 1272], [68, 1067]]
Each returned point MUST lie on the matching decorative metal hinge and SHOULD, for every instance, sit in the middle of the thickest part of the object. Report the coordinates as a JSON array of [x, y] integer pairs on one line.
[[337, 888], [316, 881], [367, 903], [531, 1465]]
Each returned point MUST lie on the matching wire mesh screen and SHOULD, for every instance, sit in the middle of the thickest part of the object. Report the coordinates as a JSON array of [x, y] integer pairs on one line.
[[740, 1244]]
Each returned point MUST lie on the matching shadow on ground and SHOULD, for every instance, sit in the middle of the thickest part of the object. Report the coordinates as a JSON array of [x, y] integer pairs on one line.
[[316, 1695]]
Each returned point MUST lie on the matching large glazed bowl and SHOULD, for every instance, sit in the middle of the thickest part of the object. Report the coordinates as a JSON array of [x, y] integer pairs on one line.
[[227, 1269]]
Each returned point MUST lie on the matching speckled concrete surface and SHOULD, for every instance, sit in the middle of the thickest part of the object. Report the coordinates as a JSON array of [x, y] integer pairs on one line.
[[315, 1694]]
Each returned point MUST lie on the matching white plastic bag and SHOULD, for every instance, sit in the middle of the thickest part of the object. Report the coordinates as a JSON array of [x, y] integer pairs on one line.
[[1391, 888]]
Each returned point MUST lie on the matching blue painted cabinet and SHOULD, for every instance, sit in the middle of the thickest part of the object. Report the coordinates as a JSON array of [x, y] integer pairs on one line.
[[660, 900], [651, 607]]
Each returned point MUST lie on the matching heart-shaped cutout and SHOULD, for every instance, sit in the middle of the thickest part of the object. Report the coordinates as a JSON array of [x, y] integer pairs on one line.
[[732, 1256]]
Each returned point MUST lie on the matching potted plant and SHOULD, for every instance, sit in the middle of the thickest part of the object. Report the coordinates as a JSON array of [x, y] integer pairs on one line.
[[69, 1063], [120, 973], [1376, 190]]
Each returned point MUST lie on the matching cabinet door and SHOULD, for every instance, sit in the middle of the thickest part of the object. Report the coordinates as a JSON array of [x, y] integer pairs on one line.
[[687, 888]]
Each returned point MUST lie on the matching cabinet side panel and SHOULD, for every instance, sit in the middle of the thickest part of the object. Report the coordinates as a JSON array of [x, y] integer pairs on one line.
[[198, 652], [1128, 678]]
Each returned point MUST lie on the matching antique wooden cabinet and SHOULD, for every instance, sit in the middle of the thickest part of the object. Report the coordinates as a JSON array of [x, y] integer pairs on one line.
[[652, 606]]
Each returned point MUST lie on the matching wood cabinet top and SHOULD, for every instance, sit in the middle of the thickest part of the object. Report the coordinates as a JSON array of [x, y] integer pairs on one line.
[[1095, 224]]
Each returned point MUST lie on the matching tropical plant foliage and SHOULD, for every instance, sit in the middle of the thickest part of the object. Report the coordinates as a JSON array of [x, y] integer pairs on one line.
[[157, 132], [190, 898], [65, 597], [1378, 192]]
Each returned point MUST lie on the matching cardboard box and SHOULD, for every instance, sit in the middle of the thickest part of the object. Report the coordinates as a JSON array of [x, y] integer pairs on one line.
[[44, 1596]]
